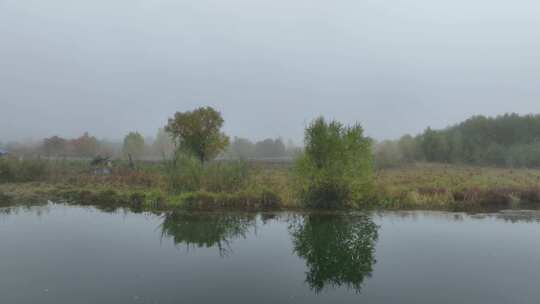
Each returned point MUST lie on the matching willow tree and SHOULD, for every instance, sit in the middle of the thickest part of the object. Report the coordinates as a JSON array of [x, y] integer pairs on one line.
[[336, 167], [134, 144], [198, 132]]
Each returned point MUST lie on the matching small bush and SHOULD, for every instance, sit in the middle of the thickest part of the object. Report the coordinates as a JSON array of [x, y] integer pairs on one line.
[[14, 170], [531, 195], [137, 199], [185, 174], [107, 197], [270, 200], [155, 199], [7, 172], [5, 200], [227, 176]]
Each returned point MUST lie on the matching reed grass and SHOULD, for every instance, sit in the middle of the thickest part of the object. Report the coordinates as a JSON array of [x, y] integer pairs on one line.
[[421, 186]]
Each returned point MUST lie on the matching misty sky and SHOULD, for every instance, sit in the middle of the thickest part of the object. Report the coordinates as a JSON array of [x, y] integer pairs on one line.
[[270, 66]]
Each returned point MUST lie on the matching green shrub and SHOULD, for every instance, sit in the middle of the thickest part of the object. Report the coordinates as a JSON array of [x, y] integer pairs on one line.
[[7, 172], [336, 168], [5, 199], [137, 199], [155, 199], [227, 176], [14, 170], [32, 170], [186, 173]]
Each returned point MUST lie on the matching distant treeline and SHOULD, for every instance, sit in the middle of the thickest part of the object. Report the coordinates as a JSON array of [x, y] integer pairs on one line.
[[508, 140], [85, 145], [139, 147], [244, 148]]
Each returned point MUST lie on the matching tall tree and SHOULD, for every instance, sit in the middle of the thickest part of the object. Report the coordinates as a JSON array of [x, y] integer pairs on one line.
[[133, 144], [270, 148], [336, 167], [241, 148], [85, 145], [54, 146], [198, 132], [409, 148], [163, 145]]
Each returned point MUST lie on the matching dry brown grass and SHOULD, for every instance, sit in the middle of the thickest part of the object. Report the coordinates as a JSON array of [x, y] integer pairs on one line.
[[435, 185]]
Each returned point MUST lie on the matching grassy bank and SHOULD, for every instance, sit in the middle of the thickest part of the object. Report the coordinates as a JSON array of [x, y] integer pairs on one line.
[[435, 186], [422, 186], [149, 186], [107, 196]]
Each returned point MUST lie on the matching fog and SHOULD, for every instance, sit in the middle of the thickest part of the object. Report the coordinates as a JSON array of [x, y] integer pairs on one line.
[[270, 66]]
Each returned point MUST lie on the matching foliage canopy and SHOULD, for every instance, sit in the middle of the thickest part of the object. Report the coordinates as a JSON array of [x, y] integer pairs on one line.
[[134, 144], [198, 132], [509, 140], [336, 168]]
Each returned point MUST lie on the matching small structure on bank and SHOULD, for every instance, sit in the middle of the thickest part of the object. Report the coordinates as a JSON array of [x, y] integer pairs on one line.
[[3, 152], [101, 165]]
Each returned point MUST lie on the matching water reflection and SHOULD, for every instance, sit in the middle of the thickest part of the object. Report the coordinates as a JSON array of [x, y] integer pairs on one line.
[[207, 229], [38, 210], [508, 215], [519, 216], [339, 250]]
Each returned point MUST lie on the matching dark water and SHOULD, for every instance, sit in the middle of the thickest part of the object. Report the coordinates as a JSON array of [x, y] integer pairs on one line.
[[65, 254]]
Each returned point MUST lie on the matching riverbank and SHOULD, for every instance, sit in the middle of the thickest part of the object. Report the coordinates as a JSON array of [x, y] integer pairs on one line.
[[150, 199], [422, 186], [456, 188]]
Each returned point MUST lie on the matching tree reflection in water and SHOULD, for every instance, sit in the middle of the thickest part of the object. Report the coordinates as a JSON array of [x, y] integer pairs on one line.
[[207, 229], [339, 250]]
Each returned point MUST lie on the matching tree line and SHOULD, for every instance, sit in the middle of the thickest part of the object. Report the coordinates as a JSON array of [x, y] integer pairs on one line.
[[334, 170], [162, 146], [509, 140], [89, 146], [244, 148], [335, 167]]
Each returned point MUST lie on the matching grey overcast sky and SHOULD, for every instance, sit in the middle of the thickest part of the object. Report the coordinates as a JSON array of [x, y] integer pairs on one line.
[[270, 66]]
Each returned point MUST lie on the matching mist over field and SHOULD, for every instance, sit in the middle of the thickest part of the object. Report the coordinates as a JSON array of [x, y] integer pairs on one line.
[[269, 66], [269, 151]]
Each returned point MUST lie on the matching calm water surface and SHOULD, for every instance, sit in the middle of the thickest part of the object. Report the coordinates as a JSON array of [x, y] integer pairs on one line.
[[66, 254]]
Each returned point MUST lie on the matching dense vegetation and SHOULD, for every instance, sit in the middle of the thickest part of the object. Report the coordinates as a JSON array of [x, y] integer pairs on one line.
[[264, 186], [133, 145], [509, 140], [198, 133], [12, 171], [335, 169], [84, 146], [155, 148]]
